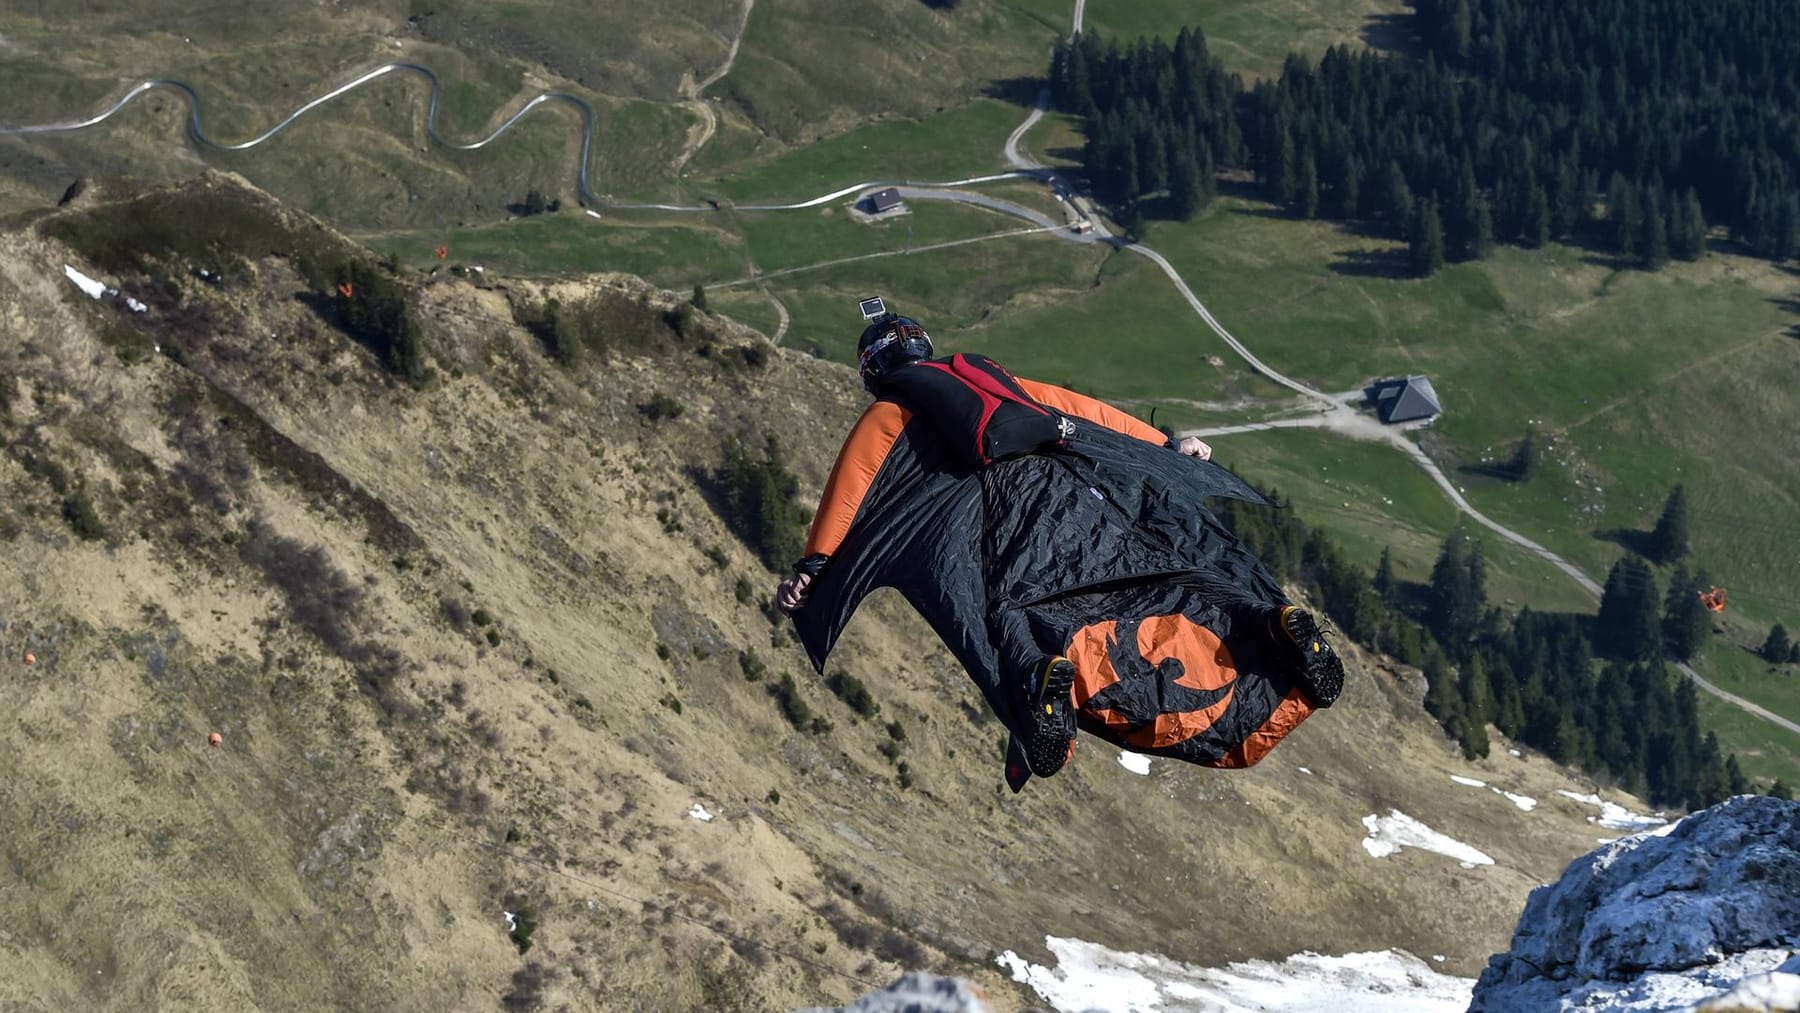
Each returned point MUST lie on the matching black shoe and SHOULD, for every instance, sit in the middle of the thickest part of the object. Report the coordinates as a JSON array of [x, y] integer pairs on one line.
[[1323, 671], [1048, 735]]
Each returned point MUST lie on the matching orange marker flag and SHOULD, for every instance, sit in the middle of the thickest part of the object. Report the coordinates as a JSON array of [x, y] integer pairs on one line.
[[442, 252], [215, 739], [346, 290]]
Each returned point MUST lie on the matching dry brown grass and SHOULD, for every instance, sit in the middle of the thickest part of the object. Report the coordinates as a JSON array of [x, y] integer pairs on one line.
[[337, 850]]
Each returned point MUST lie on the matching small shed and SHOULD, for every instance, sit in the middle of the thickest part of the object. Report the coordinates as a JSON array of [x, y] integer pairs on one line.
[[883, 200], [1403, 399]]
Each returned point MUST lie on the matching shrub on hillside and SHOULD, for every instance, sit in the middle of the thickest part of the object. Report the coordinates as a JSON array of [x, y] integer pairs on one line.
[[758, 493], [327, 604], [851, 690], [79, 511], [787, 696], [372, 306]]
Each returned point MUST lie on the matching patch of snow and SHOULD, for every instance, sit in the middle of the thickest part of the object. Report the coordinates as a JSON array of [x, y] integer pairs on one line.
[[1088, 976], [1525, 802], [1514, 752], [1439, 957], [136, 307], [1613, 815], [1469, 781], [698, 812], [1303, 770], [1769, 990], [512, 921], [93, 288], [592, 213], [1137, 763], [1388, 834]]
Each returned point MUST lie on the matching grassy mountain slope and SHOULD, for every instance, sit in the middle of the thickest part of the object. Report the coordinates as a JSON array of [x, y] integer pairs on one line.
[[477, 645]]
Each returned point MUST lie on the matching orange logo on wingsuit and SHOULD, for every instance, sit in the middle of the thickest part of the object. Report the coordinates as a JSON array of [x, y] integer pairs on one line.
[[1152, 682]]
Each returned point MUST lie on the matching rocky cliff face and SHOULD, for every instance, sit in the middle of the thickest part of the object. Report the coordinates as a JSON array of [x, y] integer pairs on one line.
[[1665, 921]]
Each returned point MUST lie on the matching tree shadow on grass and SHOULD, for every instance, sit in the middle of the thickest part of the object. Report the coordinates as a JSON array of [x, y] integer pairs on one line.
[[1392, 33], [1377, 263], [1242, 189], [1505, 471], [1263, 211], [1020, 91], [1627, 538]]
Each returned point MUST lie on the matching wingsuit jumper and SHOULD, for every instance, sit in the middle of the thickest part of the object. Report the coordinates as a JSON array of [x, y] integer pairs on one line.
[[1062, 551]]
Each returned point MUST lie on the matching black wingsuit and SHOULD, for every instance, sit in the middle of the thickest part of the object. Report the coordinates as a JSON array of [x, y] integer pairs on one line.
[[1090, 544]]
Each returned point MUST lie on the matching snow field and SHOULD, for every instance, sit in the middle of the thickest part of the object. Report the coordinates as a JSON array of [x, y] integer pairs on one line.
[[1088, 976]]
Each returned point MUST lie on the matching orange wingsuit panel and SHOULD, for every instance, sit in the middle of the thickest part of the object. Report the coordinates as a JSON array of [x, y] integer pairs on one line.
[[1292, 710], [1098, 412], [857, 465], [1206, 665]]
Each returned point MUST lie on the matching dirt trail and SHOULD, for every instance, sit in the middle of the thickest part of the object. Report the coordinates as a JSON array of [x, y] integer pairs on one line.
[[696, 101]]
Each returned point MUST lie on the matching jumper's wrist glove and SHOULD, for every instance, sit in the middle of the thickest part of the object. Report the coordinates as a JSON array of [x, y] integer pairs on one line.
[[792, 593], [1193, 446]]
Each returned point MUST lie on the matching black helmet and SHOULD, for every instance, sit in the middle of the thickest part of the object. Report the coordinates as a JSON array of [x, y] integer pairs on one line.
[[889, 342]]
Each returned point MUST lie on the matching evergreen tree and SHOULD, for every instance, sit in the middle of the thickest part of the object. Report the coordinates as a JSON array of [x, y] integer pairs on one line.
[[1655, 245], [699, 299], [1425, 239], [1478, 708], [1349, 189], [1627, 626], [1669, 540], [1308, 189], [1787, 229], [1623, 214], [1443, 696], [1781, 791], [1134, 221], [1776, 649], [1284, 170], [1396, 199], [1710, 784], [1735, 781], [1509, 703], [1686, 623], [1186, 194], [1687, 227], [1537, 217], [1458, 594], [1385, 585]]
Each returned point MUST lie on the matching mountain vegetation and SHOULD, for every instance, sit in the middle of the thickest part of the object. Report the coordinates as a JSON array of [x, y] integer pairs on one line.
[[1591, 692], [1631, 126]]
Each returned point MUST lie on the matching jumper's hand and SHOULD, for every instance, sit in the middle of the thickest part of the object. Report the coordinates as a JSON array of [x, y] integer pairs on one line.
[[791, 595], [1193, 446]]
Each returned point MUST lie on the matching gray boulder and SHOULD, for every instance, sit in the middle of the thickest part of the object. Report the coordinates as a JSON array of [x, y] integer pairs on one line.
[[917, 992], [1660, 921]]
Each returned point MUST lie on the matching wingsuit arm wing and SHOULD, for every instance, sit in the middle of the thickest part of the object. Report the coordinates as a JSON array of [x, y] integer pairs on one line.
[[1098, 412], [860, 460]]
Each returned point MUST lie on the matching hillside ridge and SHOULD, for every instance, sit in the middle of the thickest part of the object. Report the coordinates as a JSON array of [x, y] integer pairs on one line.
[[477, 643]]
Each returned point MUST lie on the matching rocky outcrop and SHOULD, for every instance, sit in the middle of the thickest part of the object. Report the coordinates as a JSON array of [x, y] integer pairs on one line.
[[917, 992], [1664, 921]]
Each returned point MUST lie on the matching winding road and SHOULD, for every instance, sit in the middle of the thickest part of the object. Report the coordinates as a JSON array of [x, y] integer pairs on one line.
[[1336, 413]]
